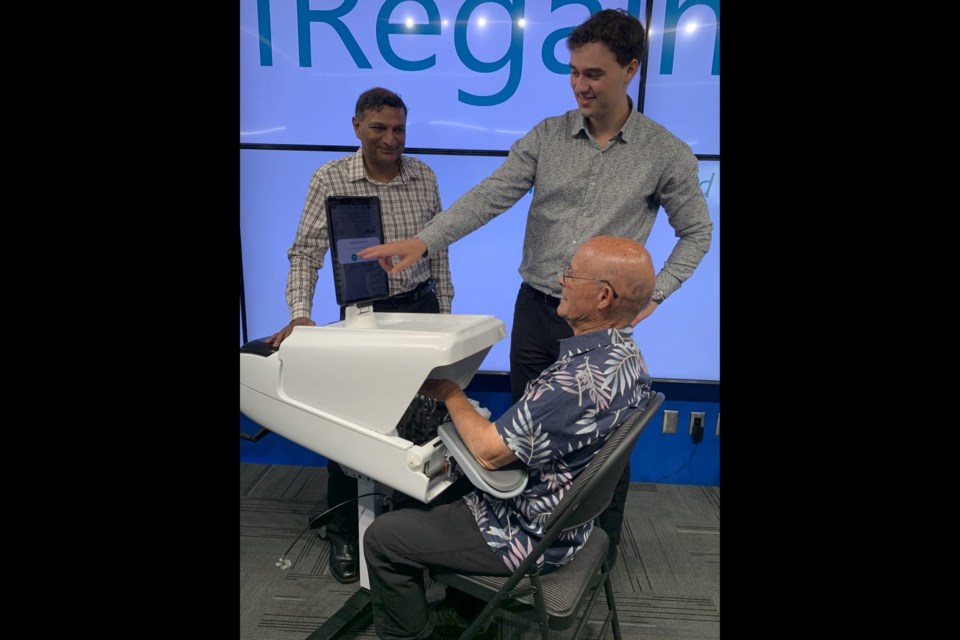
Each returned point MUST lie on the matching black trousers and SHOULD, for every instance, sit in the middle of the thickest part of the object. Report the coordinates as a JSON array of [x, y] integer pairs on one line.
[[343, 527], [534, 346]]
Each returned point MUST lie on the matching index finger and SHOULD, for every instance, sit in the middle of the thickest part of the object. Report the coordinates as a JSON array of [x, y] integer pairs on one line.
[[375, 251]]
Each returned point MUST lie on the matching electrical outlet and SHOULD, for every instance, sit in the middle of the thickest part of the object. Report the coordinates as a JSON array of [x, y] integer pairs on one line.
[[696, 426], [670, 421], [718, 425]]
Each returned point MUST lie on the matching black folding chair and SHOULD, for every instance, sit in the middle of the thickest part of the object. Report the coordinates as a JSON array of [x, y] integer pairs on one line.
[[555, 600]]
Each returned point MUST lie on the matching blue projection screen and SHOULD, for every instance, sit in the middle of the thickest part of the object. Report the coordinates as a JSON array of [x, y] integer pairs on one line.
[[471, 76], [683, 72], [680, 341], [476, 75]]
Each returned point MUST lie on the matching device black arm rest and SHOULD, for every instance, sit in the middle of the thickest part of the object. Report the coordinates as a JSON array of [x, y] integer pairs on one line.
[[259, 347], [505, 482], [256, 437]]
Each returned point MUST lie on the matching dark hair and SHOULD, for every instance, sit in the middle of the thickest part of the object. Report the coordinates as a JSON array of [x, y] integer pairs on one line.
[[621, 32], [376, 99]]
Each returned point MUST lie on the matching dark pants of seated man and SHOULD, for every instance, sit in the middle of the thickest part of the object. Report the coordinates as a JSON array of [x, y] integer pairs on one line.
[[534, 346], [343, 529], [400, 545]]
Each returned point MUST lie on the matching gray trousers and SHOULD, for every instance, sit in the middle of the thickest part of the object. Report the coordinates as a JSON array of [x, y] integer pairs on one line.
[[400, 545]]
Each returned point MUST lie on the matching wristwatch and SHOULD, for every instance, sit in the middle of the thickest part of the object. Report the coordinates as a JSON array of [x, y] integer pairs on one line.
[[657, 296]]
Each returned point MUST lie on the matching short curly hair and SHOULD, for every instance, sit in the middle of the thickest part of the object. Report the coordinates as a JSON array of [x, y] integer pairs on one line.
[[621, 32]]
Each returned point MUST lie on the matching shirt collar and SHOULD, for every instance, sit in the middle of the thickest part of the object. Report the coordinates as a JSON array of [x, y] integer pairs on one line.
[[356, 172], [595, 340], [580, 123]]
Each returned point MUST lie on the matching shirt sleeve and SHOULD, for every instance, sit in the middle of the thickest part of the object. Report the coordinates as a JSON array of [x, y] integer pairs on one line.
[[686, 208], [539, 428], [491, 197], [309, 246]]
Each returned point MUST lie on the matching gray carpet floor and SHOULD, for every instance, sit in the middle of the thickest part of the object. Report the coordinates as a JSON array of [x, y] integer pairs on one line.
[[667, 575]]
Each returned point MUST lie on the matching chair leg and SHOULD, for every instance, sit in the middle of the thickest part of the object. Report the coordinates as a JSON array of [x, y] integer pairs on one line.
[[541, 607], [585, 614], [611, 601]]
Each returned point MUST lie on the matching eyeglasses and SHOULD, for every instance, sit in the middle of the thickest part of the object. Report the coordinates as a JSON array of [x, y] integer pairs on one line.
[[565, 273]]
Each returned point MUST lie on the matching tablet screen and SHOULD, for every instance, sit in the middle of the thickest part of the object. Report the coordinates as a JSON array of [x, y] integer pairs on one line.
[[354, 223]]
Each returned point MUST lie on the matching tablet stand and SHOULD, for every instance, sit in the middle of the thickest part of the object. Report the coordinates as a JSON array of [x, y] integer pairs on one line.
[[360, 317]]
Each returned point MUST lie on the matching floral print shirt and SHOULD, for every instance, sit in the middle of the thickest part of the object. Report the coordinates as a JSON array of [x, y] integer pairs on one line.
[[562, 420]]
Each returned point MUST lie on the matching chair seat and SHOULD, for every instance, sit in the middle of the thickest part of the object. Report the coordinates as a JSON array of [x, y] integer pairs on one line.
[[563, 589]]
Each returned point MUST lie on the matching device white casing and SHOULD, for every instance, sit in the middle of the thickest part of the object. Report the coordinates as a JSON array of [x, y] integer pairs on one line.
[[341, 389]]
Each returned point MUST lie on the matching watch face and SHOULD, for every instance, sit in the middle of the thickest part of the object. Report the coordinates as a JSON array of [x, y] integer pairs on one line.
[[657, 296]]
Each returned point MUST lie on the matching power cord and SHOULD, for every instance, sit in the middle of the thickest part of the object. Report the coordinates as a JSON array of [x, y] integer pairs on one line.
[[693, 450], [285, 563]]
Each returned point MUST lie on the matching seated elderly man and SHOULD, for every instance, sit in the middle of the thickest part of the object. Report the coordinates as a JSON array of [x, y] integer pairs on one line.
[[563, 418]]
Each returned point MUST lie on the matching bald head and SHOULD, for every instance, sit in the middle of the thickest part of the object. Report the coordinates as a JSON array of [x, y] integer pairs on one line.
[[627, 266]]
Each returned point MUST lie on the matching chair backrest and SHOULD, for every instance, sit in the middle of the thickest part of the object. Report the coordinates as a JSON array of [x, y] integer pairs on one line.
[[593, 489]]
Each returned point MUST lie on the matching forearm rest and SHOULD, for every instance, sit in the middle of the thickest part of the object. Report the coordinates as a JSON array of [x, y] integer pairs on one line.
[[505, 482]]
